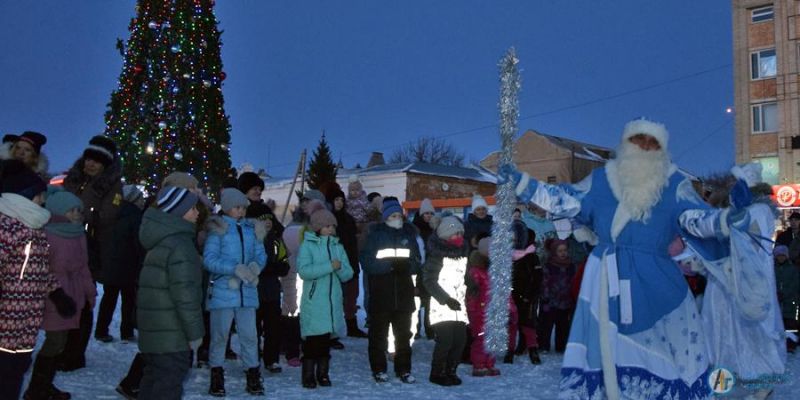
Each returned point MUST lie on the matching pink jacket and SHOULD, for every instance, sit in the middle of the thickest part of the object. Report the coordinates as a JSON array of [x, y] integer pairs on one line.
[[69, 262]]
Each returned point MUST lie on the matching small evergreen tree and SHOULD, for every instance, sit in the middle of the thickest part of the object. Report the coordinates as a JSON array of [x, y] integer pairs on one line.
[[321, 169]]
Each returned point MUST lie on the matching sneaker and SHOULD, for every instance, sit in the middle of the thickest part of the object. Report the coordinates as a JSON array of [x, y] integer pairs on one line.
[[127, 392], [104, 338], [380, 377], [407, 378], [294, 362], [480, 372], [274, 368]]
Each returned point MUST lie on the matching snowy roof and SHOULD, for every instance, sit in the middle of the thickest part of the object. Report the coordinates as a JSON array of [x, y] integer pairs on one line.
[[471, 172], [582, 150]]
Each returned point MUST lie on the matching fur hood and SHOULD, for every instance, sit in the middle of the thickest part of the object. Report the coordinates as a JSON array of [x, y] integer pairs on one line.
[[440, 249], [41, 167], [101, 184], [219, 225]]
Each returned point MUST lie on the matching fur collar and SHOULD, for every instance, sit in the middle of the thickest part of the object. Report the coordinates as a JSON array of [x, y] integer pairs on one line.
[[41, 167], [440, 249], [100, 184]]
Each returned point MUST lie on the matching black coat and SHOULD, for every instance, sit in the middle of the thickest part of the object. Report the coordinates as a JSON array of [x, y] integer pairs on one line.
[[346, 230], [475, 226], [425, 232], [269, 286], [390, 282], [526, 287], [126, 253]]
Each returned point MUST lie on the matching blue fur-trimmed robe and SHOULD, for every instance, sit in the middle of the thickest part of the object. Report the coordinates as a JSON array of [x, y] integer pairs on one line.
[[636, 322]]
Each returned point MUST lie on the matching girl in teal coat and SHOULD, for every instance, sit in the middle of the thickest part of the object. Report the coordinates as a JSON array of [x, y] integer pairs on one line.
[[323, 266]]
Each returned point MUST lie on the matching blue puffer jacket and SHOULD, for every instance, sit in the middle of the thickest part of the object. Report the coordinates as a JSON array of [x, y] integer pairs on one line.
[[321, 304], [225, 248]]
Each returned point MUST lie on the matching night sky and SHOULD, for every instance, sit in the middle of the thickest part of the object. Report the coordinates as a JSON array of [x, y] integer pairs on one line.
[[377, 74]]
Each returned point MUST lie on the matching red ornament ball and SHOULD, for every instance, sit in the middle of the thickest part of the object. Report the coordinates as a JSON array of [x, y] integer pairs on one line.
[[222, 75], [138, 68]]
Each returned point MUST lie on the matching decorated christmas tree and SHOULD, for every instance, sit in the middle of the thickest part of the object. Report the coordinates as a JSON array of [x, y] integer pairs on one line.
[[321, 169], [167, 112]]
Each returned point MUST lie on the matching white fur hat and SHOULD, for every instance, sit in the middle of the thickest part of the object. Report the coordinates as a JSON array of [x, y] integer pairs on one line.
[[750, 173], [478, 201], [650, 128]]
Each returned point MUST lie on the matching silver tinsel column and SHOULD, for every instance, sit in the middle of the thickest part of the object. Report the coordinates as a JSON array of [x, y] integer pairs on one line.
[[502, 246]]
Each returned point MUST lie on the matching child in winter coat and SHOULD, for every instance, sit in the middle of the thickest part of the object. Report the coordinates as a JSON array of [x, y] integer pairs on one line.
[[234, 258], [787, 277], [268, 316], [526, 286], [557, 303], [443, 277], [170, 303], [323, 266], [70, 264], [25, 278]]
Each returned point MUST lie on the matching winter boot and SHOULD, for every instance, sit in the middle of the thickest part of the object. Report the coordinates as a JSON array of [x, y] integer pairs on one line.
[[336, 344], [308, 373], [323, 365], [439, 375], [451, 374], [509, 358], [202, 357], [254, 384], [41, 384], [534, 356], [217, 388], [353, 331]]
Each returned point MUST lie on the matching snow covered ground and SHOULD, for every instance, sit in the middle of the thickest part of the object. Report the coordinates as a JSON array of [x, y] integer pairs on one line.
[[351, 377]]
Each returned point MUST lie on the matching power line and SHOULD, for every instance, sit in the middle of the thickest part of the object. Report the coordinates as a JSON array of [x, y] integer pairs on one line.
[[556, 110], [706, 137]]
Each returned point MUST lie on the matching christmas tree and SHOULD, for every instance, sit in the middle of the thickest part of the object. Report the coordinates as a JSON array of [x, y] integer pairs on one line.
[[321, 169], [167, 112]]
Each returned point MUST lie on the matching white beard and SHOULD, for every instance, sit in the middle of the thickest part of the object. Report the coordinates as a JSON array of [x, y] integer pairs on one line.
[[641, 178]]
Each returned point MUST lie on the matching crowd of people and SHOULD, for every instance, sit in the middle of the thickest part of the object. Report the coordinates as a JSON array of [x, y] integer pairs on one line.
[[624, 287]]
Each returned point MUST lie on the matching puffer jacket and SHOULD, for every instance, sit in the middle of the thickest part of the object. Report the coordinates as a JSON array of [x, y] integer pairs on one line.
[[444, 278], [390, 282], [169, 304], [229, 244], [321, 304]]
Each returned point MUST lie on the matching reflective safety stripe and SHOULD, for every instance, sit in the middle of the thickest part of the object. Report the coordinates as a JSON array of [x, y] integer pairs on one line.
[[27, 256], [5, 350], [393, 253]]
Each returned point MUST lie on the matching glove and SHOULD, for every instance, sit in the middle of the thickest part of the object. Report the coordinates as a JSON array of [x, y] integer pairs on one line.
[[195, 344], [453, 304], [64, 304], [507, 173], [740, 196], [244, 273]]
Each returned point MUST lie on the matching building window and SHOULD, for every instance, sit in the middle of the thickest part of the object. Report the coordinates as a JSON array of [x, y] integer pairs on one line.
[[770, 172], [765, 117], [763, 64], [762, 14], [551, 179]]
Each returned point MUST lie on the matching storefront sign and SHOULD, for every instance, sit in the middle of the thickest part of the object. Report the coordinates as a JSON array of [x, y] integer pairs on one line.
[[786, 195]]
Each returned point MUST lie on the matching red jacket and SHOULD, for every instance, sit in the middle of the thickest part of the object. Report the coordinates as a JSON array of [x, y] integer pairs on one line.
[[24, 286]]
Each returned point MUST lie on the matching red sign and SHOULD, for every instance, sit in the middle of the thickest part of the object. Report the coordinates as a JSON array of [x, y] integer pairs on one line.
[[786, 195]]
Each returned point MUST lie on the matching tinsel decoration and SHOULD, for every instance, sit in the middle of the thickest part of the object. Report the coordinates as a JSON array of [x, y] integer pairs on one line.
[[502, 244]]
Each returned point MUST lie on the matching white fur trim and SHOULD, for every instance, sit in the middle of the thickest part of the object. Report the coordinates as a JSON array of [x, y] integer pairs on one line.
[[523, 183], [643, 126], [606, 348], [723, 222], [585, 235], [101, 149], [750, 173]]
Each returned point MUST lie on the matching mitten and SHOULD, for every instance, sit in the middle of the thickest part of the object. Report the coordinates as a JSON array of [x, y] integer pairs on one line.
[[453, 304], [507, 173], [64, 304]]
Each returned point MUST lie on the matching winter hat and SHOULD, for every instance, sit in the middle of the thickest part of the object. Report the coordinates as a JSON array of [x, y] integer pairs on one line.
[[131, 193], [17, 178], [483, 246], [750, 173], [181, 180], [176, 201], [390, 206], [449, 226], [650, 128], [354, 184], [478, 202], [62, 201], [249, 180], [101, 149], [426, 207], [372, 196], [780, 250], [232, 198], [312, 194], [333, 194], [320, 216], [35, 139]]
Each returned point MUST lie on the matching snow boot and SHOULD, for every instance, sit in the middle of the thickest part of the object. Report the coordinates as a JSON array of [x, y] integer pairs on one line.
[[353, 331], [452, 375], [254, 383], [202, 357], [534, 356], [509, 358], [217, 387], [323, 365], [439, 376], [336, 344], [308, 374], [380, 377], [41, 384]]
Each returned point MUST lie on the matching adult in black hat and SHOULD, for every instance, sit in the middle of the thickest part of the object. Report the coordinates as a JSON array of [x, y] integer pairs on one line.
[[27, 148], [96, 178], [786, 237]]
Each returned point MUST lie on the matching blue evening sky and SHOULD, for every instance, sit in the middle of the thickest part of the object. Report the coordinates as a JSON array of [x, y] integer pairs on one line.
[[376, 74]]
